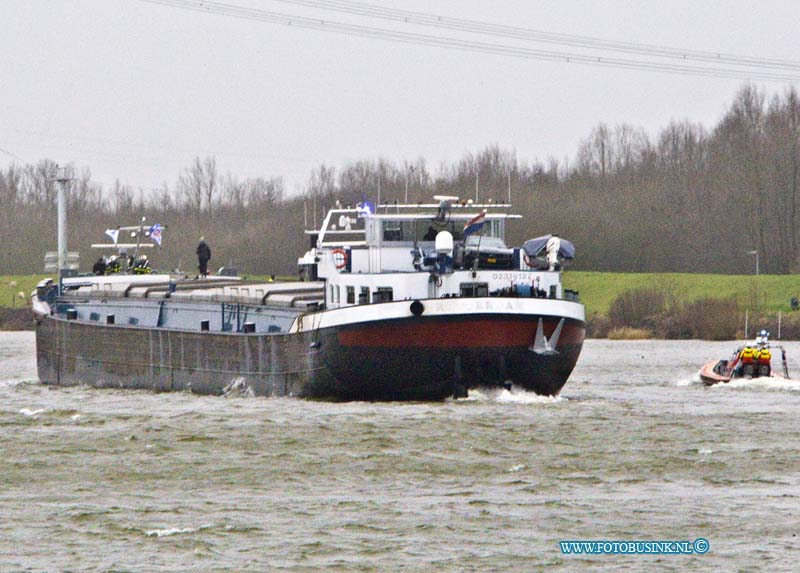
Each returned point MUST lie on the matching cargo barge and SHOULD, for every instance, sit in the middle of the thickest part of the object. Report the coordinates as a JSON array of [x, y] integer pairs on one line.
[[398, 302]]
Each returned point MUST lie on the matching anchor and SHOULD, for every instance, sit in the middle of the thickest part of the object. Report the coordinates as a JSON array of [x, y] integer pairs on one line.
[[543, 346]]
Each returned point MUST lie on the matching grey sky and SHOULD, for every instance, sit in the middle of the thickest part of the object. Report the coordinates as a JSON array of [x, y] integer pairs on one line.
[[135, 90]]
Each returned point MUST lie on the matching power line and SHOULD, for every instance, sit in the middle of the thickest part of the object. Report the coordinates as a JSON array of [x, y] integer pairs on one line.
[[252, 14], [540, 36]]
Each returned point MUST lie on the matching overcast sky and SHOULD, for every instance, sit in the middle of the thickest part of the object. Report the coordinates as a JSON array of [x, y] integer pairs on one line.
[[135, 90]]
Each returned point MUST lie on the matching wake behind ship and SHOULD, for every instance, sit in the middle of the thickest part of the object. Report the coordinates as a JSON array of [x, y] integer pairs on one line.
[[400, 302]]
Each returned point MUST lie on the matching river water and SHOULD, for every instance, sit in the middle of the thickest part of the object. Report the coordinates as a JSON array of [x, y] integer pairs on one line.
[[634, 449]]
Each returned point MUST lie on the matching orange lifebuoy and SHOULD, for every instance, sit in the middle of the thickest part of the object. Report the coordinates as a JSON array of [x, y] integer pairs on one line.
[[339, 258]]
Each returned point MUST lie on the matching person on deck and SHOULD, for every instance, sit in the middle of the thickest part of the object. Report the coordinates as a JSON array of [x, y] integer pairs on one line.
[[99, 267], [747, 357], [203, 256], [552, 248], [113, 265], [142, 266]]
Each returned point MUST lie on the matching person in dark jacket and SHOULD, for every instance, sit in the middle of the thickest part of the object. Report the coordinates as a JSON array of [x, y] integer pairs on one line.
[[203, 256], [99, 267]]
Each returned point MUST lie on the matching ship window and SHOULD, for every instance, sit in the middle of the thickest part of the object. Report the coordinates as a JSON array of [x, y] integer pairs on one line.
[[363, 296], [398, 230], [382, 294], [338, 293], [330, 294], [351, 295], [392, 231], [245, 292], [474, 289]]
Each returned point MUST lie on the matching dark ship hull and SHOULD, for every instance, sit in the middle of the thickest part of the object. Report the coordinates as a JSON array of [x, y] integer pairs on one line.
[[419, 358], [69, 352], [408, 358]]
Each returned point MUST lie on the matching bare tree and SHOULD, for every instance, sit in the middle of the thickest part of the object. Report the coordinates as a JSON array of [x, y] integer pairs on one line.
[[322, 182], [210, 181], [198, 185], [233, 192], [264, 192]]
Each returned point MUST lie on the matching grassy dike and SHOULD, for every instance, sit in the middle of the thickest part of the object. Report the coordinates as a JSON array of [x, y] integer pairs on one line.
[[763, 296], [682, 305], [15, 309], [763, 293], [12, 285]]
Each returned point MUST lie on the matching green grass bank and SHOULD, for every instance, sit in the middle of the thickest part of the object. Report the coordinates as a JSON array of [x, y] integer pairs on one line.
[[12, 285], [769, 293]]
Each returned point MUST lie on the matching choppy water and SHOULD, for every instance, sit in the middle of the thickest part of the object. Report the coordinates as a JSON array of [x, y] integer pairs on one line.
[[132, 481]]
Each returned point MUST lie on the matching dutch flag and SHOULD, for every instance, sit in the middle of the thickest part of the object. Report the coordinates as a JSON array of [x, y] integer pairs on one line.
[[475, 224]]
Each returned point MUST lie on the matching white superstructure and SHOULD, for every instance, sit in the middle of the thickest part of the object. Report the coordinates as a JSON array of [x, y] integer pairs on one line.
[[396, 253]]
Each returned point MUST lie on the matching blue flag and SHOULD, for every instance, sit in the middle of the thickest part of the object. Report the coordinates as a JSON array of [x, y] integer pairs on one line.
[[365, 209], [155, 234]]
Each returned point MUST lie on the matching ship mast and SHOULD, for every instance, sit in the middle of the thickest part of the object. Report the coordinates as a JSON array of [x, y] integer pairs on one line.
[[63, 177]]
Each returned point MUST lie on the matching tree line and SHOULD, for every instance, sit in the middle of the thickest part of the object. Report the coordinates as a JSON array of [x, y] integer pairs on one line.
[[688, 199]]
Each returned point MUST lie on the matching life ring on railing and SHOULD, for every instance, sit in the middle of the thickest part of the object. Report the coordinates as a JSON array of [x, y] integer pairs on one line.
[[339, 258]]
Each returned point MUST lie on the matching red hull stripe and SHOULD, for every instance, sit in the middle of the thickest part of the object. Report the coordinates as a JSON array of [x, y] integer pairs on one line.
[[456, 334]]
